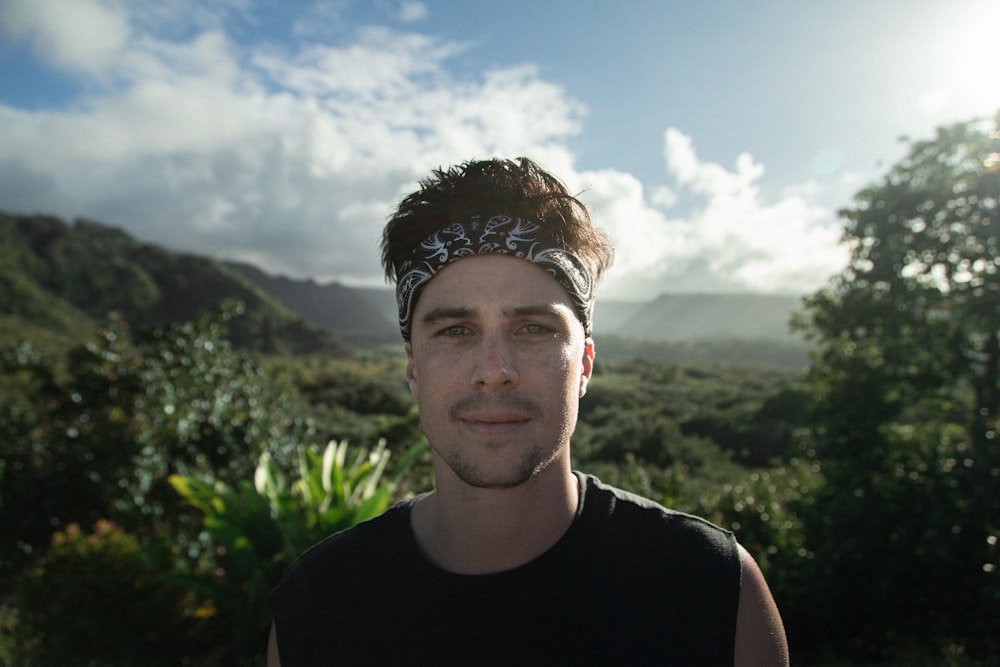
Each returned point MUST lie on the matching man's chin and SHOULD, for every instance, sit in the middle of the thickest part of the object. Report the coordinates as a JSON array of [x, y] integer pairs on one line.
[[509, 477]]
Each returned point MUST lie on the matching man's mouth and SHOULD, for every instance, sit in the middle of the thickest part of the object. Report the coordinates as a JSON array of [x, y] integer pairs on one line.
[[494, 424]]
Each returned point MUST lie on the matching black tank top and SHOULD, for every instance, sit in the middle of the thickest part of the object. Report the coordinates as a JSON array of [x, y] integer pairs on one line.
[[630, 583]]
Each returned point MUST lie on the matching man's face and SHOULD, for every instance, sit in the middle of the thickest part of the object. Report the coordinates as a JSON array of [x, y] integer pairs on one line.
[[497, 362]]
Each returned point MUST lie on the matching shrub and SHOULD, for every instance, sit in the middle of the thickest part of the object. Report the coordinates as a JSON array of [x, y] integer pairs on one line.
[[97, 436], [98, 599]]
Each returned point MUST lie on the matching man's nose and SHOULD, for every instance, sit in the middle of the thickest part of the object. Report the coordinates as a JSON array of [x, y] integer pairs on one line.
[[495, 366]]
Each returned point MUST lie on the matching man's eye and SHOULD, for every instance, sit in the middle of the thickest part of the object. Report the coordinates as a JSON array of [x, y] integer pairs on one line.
[[455, 330], [535, 329]]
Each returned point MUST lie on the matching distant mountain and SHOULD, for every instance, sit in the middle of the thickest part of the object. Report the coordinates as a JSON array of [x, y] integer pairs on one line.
[[383, 299], [60, 279], [693, 317], [355, 314], [65, 278], [728, 329]]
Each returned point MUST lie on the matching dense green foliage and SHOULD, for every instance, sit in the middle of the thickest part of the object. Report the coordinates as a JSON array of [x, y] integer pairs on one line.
[[127, 427], [99, 599], [110, 424]]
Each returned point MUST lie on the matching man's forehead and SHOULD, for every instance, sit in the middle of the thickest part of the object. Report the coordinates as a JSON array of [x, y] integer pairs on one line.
[[498, 283]]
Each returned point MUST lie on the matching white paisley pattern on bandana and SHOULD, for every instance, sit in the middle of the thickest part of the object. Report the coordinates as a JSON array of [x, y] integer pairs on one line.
[[498, 234]]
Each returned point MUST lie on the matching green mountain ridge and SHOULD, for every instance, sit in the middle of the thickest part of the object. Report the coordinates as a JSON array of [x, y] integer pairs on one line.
[[64, 279], [60, 279], [348, 311], [701, 316]]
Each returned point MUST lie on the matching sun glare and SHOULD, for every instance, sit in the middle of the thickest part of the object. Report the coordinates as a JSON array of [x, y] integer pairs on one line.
[[970, 52]]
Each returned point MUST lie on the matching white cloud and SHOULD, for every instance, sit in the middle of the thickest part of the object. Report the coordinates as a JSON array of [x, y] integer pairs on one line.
[[734, 239], [664, 197], [75, 35], [292, 160], [727, 238], [410, 11], [643, 237]]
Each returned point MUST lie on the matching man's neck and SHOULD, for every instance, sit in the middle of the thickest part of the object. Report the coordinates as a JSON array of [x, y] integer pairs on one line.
[[479, 531]]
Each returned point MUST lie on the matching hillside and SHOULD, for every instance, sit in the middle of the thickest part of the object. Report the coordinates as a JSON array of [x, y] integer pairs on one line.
[[727, 329], [59, 280], [350, 312], [678, 317]]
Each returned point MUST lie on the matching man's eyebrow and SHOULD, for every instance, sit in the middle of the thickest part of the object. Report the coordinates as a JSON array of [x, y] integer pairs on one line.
[[462, 312], [446, 313], [534, 310]]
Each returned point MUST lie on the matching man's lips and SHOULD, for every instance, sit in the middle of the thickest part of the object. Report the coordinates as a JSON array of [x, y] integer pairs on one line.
[[494, 419], [494, 424], [492, 411]]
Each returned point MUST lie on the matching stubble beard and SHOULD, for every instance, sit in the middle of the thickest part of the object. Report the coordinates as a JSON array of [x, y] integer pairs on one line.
[[531, 462]]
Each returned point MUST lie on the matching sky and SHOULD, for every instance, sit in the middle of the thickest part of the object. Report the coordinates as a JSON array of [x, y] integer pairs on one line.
[[714, 141]]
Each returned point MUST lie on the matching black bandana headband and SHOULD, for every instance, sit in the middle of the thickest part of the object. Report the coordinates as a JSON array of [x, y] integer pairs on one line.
[[499, 234]]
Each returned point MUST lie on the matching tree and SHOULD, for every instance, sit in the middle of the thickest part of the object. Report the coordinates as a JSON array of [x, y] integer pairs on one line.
[[918, 306], [907, 390]]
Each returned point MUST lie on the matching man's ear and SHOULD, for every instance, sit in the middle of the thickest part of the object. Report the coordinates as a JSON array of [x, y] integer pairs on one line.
[[411, 372], [586, 365]]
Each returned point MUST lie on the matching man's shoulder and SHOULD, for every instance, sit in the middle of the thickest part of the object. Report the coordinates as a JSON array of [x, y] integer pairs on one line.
[[672, 578], [626, 514], [357, 543], [355, 550]]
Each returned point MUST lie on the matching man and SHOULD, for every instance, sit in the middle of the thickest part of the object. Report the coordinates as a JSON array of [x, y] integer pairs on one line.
[[514, 559]]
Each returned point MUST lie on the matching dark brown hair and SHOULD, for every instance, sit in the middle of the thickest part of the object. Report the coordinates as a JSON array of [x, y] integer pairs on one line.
[[517, 188]]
